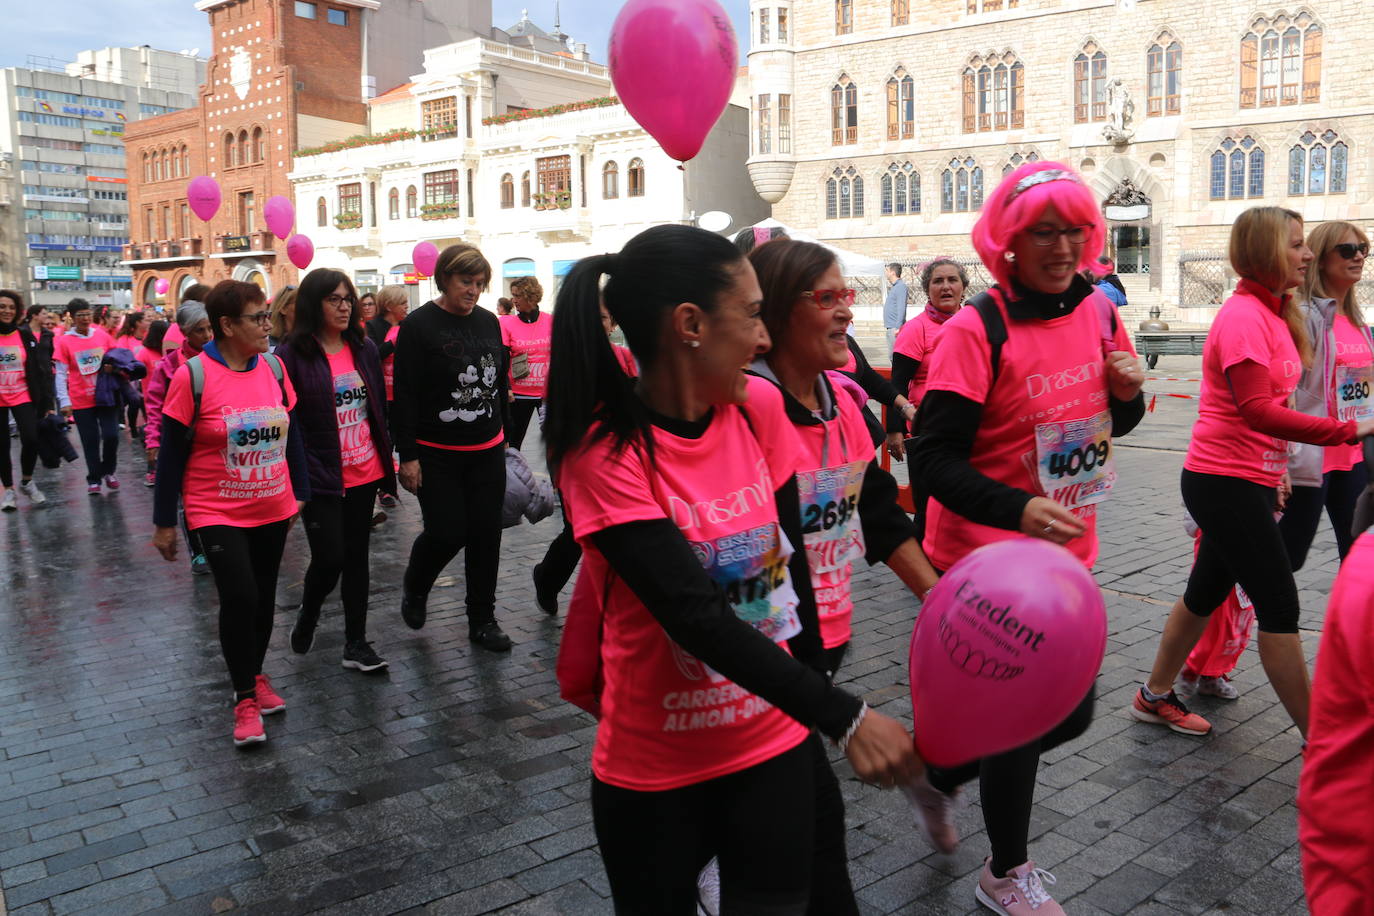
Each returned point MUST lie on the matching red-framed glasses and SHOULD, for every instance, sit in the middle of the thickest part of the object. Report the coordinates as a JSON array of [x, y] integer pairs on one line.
[[830, 298]]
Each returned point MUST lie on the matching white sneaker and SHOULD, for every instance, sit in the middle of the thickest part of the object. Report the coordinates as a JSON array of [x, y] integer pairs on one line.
[[934, 812], [1217, 687], [35, 495], [708, 889], [8, 502], [1186, 687]]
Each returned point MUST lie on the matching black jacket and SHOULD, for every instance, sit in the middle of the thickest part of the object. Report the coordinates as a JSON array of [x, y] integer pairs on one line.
[[38, 370]]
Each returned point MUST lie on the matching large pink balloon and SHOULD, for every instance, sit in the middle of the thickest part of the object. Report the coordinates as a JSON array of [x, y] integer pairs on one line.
[[161, 285], [300, 250], [1004, 649], [279, 215], [424, 257], [204, 197], [673, 63]]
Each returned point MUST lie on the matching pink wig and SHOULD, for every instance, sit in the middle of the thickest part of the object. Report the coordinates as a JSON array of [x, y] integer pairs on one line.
[[1020, 201]]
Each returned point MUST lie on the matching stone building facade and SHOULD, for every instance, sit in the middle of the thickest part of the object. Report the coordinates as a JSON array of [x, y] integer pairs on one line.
[[880, 125]]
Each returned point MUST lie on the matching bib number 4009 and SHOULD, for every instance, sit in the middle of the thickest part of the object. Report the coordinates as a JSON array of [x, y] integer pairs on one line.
[[816, 518], [257, 436], [1074, 462]]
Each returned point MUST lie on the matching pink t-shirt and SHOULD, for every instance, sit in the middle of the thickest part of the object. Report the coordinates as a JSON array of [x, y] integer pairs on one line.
[[1352, 390], [83, 356], [1046, 426], [389, 364], [917, 340], [1247, 327], [174, 337], [667, 719], [532, 339], [237, 473], [851, 362], [14, 389], [129, 342], [626, 360], [830, 473], [149, 359], [1335, 793], [356, 450]]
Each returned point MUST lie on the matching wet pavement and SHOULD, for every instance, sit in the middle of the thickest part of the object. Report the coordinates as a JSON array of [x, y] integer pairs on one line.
[[457, 782]]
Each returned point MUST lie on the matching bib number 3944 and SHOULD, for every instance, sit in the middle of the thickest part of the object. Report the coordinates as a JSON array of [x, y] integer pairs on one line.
[[1353, 389], [1074, 460]]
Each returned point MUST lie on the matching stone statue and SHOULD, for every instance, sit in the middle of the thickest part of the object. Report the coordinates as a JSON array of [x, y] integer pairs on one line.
[[1120, 113]]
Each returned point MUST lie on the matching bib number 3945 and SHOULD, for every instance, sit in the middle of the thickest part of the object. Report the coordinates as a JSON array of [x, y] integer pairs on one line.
[[1074, 460]]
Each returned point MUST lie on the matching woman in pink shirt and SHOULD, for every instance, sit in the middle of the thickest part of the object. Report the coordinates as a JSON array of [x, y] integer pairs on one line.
[[680, 487], [1236, 462], [527, 333]]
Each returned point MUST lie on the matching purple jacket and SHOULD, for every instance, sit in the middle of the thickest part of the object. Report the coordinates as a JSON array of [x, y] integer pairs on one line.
[[155, 392], [315, 414]]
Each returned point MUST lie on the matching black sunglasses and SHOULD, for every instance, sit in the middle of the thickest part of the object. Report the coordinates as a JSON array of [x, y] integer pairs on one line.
[[1347, 249]]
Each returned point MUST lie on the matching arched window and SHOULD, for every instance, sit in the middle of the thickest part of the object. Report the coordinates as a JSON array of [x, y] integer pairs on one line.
[[243, 148], [175, 164], [1237, 170], [507, 191], [844, 194], [901, 12], [1090, 84], [321, 212], [412, 206], [259, 147], [994, 94], [610, 181], [901, 106], [844, 17], [634, 178], [185, 162], [900, 188], [844, 112], [1318, 165], [393, 203], [1280, 62], [231, 158], [1017, 160], [147, 169], [166, 160], [961, 186], [1164, 77]]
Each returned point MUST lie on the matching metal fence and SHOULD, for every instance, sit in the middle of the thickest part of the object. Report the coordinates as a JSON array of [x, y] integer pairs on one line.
[[1204, 279], [872, 290]]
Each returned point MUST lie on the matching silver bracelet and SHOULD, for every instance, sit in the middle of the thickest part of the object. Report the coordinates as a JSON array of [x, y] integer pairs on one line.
[[843, 743], [925, 595]]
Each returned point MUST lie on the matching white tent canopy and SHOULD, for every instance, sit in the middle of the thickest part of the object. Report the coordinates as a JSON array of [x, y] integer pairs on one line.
[[852, 264]]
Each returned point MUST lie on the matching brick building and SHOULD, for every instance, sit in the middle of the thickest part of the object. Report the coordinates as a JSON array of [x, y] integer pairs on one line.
[[283, 74]]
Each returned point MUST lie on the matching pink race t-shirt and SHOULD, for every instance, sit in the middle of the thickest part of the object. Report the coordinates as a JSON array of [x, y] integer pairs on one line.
[[830, 475], [1352, 389], [917, 340], [1046, 426], [237, 473], [173, 339], [149, 359], [626, 360], [14, 389], [356, 450], [129, 342], [1335, 793], [667, 719], [1247, 327], [389, 364], [83, 356], [533, 339]]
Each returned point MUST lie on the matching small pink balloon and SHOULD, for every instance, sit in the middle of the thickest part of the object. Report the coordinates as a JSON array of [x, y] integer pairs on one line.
[[279, 215], [300, 250], [161, 285], [424, 257], [204, 197], [1004, 649], [673, 63]]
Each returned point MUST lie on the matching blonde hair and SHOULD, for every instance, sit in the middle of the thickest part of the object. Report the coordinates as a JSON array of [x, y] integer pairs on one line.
[[388, 296], [529, 288], [284, 298], [1259, 252], [1322, 240], [461, 259]]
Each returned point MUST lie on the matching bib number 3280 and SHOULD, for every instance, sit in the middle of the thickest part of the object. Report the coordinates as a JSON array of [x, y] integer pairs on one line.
[[1353, 389]]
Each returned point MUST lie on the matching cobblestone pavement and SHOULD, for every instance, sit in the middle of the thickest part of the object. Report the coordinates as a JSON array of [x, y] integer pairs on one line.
[[458, 782]]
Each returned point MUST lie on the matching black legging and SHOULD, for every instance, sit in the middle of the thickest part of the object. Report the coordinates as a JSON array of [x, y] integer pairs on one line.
[[520, 412], [460, 504], [1240, 544], [787, 805], [99, 431], [1006, 784], [1303, 513], [560, 560], [26, 419], [245, 563], [339, 529]]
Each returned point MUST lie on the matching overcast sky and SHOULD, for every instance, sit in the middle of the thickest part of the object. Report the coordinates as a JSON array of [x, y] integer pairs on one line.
[[67, 26]]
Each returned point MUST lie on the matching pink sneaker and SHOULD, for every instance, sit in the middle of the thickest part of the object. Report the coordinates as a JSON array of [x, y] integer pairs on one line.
[[934, 811], [1020, 893], [248, 723], [111, 482], [1169, 712], [268, 699], [150, 479]]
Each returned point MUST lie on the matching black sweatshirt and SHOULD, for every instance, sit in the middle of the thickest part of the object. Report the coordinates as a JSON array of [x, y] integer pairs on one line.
[[451, 377], [875, 386], [949, 424], [904, 369]]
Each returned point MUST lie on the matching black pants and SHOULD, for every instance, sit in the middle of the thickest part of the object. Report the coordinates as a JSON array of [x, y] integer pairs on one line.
[[460, 503], [777, 829], [1240, 544], [245, 563], [339, 529], [560, 560], [1338, 493], [26, 419], [99, 431], [1006, 785], [520, 412]]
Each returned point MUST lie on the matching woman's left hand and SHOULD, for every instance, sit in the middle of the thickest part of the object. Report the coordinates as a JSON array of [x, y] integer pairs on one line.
[[896, 446], [1285, 491], [1125, 378]]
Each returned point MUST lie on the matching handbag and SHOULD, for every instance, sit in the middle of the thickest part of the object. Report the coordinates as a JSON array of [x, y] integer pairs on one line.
[[519, 366]]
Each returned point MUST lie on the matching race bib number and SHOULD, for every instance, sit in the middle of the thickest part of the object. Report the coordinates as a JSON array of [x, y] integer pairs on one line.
[[831, 531], [88, 361], [751, 567], [1074, 460], [350, 410], [1353, 387], [255, 447], [11, 359]]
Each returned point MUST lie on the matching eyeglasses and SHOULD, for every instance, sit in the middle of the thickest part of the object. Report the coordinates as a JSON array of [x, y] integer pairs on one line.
[[335, 300], [1045, 236], [1348, 250], [258, 318], [830, 298]]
